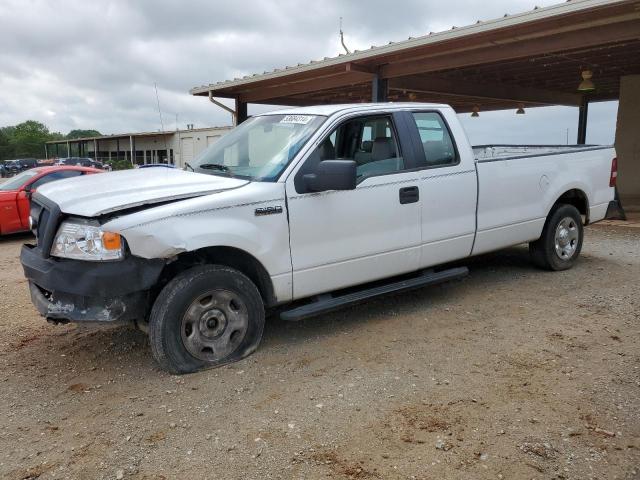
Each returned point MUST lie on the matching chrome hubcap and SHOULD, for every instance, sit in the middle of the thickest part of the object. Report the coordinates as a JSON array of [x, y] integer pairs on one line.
[[214, 325], [566, 239]]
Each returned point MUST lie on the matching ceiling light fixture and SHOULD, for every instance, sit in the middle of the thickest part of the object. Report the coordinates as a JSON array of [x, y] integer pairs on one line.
[[586, 85]]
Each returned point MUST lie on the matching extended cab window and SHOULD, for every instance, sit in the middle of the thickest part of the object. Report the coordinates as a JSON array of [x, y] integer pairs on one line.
[[436, 140], [370, 141]]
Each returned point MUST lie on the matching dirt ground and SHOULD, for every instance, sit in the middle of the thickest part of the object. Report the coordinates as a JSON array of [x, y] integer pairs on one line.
[[511, 373]]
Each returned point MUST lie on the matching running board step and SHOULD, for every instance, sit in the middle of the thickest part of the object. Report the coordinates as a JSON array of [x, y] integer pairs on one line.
[[328, 303]]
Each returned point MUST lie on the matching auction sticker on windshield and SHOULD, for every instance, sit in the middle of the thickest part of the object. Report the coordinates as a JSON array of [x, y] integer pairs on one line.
[[299, 119]]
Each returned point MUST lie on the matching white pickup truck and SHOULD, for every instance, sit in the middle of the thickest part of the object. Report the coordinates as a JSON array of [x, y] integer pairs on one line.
[[300, 212]]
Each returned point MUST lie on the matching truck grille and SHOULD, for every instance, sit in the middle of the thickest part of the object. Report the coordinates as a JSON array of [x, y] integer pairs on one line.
[[39, 217], [46, 216]]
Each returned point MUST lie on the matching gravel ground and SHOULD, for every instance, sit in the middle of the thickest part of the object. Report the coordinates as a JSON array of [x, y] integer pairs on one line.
[[511, 373]]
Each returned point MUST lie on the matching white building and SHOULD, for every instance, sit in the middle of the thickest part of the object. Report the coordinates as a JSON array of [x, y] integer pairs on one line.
[[174, 147]]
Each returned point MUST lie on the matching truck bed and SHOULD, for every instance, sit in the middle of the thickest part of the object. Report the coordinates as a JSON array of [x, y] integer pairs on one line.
[[488, 153], [518, 185]]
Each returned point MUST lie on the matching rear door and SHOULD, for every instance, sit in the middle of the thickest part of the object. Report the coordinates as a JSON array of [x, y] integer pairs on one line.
[[448, 186], [344, 238]]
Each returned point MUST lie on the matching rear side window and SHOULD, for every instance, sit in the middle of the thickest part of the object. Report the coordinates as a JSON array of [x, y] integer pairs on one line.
[[55, 176], [436, 139]]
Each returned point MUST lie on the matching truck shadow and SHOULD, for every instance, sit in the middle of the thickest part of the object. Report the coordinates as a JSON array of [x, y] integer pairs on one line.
[[486, 272]]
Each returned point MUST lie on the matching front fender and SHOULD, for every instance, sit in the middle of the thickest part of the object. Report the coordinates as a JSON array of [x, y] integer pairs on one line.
[[233, 219]]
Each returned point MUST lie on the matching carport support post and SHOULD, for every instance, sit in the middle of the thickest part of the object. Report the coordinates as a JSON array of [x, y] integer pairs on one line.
[[68, 149], [131, 148], [582, 121], [95, 149], [378, 89], [46, 152], [241, 112]]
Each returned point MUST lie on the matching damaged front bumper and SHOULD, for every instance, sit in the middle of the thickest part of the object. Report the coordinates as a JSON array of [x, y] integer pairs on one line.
[[77, 291]]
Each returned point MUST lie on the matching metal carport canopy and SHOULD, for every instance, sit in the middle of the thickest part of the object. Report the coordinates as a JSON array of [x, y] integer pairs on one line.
[[534, 58]]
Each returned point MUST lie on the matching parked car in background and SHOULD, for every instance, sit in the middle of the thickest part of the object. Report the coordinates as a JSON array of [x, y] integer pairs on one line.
[[15, 194], [81, 162], [12, 167], [3, 171], [149, 165]]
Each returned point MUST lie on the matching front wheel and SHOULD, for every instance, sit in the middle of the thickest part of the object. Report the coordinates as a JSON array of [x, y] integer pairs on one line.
[[561, 241], [205, 317]]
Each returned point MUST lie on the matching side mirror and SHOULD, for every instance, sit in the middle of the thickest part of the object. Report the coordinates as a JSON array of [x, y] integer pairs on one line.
[[332, 175]]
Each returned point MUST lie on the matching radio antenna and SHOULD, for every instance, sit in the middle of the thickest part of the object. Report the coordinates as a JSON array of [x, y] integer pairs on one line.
[[155, 85], [342, 38]]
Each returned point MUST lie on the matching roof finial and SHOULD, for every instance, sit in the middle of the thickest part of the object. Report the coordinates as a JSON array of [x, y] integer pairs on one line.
[[342, 38]]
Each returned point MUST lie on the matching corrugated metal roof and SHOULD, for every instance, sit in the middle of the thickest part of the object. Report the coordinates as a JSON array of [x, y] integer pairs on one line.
[[571, 6]]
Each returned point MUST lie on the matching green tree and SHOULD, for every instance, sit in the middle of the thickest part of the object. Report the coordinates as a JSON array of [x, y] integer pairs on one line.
[[83, 133], [56, 136], [7, 149], [29, 138], [121, 165]]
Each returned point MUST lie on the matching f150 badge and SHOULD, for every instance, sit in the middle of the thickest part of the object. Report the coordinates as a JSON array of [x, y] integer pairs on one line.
[[268, 210]]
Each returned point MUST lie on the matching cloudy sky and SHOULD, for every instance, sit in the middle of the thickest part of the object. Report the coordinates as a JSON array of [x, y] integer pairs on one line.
[[79, 64]]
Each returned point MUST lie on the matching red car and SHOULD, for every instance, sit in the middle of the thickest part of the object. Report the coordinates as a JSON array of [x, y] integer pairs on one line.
[[16, 192]]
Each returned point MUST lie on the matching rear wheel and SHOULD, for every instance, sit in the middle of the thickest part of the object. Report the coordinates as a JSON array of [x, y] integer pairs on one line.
[[205, 317], [561, 241]]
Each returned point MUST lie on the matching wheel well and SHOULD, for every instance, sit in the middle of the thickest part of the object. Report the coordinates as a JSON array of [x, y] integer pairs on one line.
[[229, 257], [578, 199]]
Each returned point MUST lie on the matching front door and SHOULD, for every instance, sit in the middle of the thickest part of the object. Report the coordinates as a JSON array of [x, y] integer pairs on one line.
[[344, 238]]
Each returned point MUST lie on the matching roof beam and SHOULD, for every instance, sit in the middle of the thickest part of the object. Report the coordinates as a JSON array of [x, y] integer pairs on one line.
[[500, 92], [518, 48], [354, 67], [313, 85], [290, 101]]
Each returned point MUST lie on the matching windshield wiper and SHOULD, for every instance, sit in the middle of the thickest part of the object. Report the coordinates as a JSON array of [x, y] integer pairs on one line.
[[216, 166], [186, 164]]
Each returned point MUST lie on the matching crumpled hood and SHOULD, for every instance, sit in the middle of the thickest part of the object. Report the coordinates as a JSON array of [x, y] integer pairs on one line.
[[98, 194]]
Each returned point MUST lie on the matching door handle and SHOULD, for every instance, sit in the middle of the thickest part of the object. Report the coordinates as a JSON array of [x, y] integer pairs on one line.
[[409, 195]]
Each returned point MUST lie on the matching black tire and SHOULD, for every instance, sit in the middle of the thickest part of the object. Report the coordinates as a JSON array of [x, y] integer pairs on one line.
[[224, 305], [544, 252]]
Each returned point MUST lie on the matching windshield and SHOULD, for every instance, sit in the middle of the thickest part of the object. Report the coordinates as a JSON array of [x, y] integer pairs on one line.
[[258, 149], [17, 181]]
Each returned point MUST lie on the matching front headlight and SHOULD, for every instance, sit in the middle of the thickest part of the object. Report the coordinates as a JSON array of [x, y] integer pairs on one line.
[[83, 240]]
